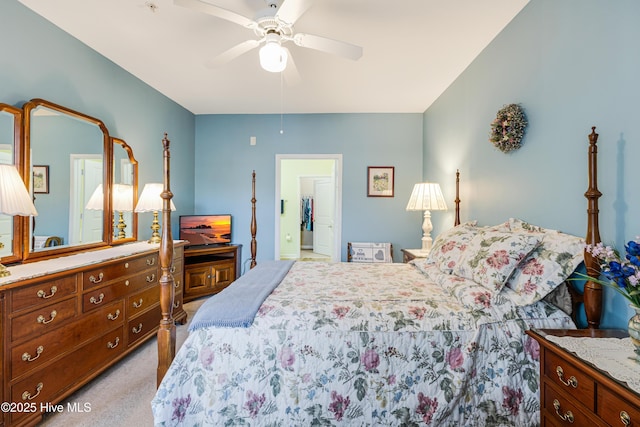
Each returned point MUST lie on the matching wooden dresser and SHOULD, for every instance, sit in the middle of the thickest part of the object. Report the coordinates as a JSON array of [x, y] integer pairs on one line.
[[575, 392], [66, 320]]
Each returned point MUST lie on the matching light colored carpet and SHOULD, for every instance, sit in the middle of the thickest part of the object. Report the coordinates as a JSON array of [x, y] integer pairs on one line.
[[120, 396]]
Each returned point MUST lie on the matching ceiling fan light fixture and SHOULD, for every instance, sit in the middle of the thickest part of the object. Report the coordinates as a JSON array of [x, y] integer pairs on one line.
[[273, 57]]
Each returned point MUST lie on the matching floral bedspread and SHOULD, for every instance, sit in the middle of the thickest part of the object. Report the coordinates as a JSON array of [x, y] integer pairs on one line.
[[364, 345]]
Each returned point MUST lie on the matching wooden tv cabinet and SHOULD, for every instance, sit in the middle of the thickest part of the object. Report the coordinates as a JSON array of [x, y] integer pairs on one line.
[[210, 269]]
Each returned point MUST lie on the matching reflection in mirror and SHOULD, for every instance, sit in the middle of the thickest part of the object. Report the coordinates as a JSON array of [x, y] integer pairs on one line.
[[10, 125], [125, 191], [69, 149]]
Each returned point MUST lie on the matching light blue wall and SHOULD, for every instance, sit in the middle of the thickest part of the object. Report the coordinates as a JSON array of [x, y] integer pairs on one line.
[[40, 61], [571, 64], [225, 159]]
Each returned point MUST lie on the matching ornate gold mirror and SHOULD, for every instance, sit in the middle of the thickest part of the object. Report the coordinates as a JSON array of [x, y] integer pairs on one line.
[[68, 170], [10, 153], [125, 193]]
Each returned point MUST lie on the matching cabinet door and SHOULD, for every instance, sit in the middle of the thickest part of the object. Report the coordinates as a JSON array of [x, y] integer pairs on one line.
[[224, 273], [197, 279]]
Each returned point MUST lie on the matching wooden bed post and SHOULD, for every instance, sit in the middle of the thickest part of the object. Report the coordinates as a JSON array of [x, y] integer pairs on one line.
[[254, 227], [592, 290], [167, 331], [457, 201]]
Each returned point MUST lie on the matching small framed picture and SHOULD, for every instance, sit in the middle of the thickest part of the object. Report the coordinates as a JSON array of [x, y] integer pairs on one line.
[[40, 179], [380, 181]]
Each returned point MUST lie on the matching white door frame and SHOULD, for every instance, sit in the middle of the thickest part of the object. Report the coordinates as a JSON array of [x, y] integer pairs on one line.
[[337, 228]]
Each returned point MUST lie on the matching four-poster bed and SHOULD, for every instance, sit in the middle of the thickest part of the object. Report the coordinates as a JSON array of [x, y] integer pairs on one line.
[[436, 341]]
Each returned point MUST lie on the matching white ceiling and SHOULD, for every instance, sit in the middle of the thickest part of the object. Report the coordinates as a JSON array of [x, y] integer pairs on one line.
[[412, 51]]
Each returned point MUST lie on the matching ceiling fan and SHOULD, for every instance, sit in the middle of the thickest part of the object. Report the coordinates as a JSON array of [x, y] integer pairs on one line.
[[273, 27]]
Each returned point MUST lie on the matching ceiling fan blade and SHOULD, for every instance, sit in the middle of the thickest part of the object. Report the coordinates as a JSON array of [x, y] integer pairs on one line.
[[231, 54], [346, 50], [216, 11], [290, 10], [290, 73]]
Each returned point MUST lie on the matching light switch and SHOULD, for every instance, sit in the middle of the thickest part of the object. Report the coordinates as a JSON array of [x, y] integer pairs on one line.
[[252, 140]]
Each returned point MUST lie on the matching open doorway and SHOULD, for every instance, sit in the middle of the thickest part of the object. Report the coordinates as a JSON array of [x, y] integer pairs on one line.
[[308, 205]]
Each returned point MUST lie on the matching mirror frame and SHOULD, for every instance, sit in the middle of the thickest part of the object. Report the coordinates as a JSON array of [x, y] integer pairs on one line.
[[107, 217], [134, 215], [16, 242]]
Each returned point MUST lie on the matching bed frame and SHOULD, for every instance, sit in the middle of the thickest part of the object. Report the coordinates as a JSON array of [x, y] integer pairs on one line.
[[590, 297]]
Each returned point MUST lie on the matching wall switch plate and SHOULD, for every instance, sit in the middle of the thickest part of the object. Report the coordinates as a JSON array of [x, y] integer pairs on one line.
[[252, 140]]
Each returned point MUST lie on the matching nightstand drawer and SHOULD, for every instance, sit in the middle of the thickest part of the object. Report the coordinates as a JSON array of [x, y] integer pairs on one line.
[[615, 410], [571, 379], [563, 411]]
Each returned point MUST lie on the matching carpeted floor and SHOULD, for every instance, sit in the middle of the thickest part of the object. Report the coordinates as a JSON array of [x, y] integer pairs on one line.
[[120, 396]]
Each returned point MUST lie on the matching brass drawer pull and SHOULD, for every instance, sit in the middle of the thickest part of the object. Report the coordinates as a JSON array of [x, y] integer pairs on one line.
[[173, 269], [26, 357], [43, 294], [126, 283], [568, 416], [126, 265], [113, 316], [138, 329], [625, 418], [52, 316], [93, 278], [176, 284], [151, 261], [113, 344], [571, 382], [27, 396], [176, 304], [151, 278], [96, 301], [137, 304]]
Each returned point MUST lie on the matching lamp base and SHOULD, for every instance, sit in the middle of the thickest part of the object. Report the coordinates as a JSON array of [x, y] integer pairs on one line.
[[155, 227], [4, 271], [427, 241]]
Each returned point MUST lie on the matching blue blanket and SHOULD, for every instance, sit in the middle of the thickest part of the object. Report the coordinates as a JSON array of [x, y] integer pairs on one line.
[[236, 305]]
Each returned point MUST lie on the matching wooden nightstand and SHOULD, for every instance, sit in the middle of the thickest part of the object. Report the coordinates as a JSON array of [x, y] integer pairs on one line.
[[409, 254], [574, 391]]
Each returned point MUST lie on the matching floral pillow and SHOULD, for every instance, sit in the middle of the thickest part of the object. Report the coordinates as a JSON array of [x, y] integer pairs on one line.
[[546, 267], [491, 256], [450, 244]]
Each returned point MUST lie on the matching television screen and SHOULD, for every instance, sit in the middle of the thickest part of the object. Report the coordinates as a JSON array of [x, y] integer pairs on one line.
[[206, 229]]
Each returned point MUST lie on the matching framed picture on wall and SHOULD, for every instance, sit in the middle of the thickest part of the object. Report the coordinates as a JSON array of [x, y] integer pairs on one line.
[[40, 179], [380, 181]]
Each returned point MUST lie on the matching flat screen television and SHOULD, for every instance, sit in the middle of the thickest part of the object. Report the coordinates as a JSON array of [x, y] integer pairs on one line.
[[206, 229]]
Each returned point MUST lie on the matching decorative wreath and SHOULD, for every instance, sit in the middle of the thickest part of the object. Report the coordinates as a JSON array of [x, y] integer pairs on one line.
[[507, 129]]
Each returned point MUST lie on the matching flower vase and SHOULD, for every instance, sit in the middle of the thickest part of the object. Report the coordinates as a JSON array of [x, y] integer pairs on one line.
[[634, 331]]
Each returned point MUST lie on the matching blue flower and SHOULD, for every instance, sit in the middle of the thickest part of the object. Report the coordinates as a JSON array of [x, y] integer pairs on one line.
[[633, 248]]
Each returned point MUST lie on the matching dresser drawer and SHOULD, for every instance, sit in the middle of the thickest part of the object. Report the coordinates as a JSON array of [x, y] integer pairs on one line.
[[571, 379], [143, 300], [97, 297], [44, 292], [563, 411], [615, 410], [106, 273], [142, 325], [43, 320], [44, 348], [46, 384]]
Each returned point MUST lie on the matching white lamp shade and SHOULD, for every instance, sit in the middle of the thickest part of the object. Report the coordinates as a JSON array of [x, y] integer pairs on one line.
[[96, 200], [426, 196], [14, 197], [150, 200], [122, 197], [273, 57]]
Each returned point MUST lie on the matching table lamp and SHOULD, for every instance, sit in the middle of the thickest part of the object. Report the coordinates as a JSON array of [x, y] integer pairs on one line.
[[122, 202], [427, 197], [14, 199], [150, 201]]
